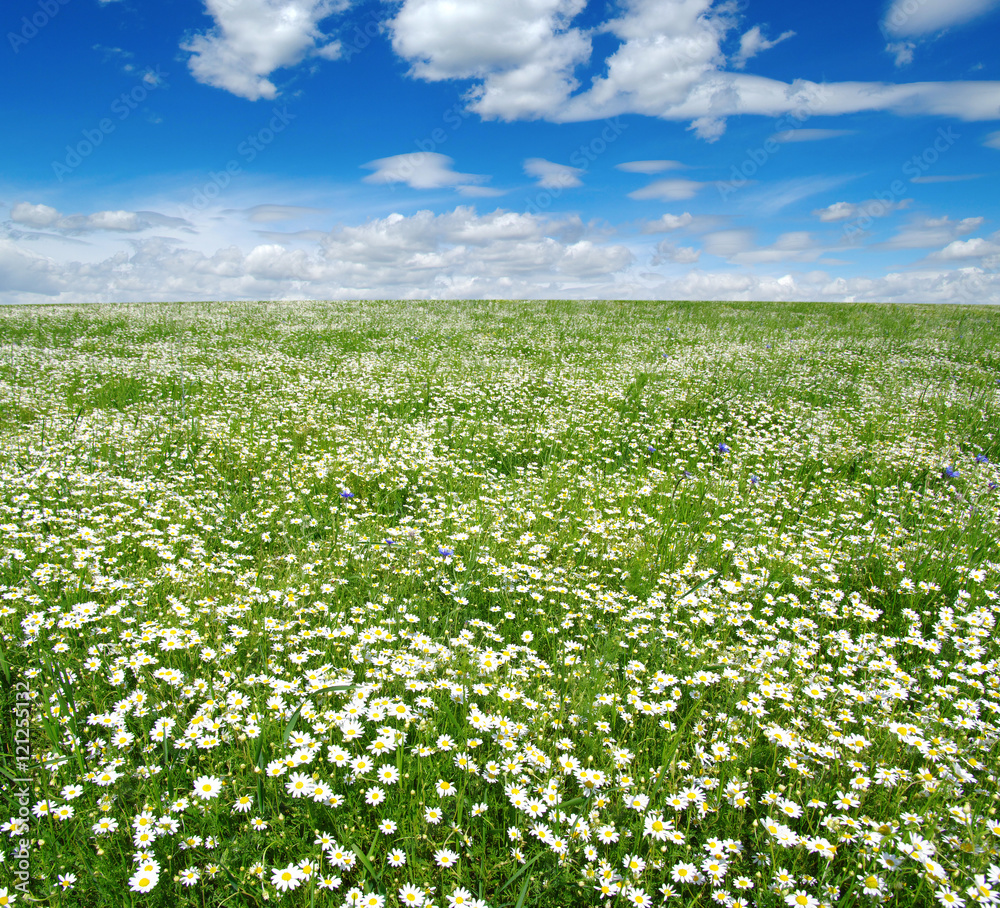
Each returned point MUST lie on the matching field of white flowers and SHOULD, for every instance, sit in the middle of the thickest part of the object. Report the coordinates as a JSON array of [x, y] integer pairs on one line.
[[494, 603]]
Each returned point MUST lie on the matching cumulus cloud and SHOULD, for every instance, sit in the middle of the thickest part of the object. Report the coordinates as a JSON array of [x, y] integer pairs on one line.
[[253, 38], [522, 51], [975, 248], [753, 42], [667, 190], [34, 215], [870, 208], [524, 55], [553, 176], [421, 170]]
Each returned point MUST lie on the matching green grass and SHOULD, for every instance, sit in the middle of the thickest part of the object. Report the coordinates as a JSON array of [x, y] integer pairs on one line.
[[726, 567]]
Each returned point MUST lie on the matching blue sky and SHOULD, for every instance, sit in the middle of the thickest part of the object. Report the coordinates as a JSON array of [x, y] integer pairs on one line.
[[289, 149]]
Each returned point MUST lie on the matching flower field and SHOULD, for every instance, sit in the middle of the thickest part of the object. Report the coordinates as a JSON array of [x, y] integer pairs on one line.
[[499, 604]]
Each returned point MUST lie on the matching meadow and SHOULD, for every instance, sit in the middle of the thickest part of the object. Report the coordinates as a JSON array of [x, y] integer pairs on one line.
[[499, 604]]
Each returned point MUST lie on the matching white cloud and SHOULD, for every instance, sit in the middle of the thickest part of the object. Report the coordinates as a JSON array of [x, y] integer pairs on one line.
[[753, 42], [913, 18], [975, 248], [34, 215], [794, 246], [993, 140], [421, 170], [649, 167], [252, 38], [912, 21], [44, 216], [870, 208], [668, 222], [667, 190], [523, 51], [902, 51], [26, 271], [679, 255], [927, 232], [809, 135], [553, 176], [524, 54]]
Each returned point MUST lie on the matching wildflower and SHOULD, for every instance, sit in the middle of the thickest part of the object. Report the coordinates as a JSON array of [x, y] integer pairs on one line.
[[6, 898], [724, 448], [67, 881], [190, 876], [284, 878], [684, 872], [374, 796], [460, 898], [949, 898], [443, 857], [243, 804], [433, 816], [258, 825], [397, 857], [801, 899], [444, 789], [637, 897], [656, 827], [871, 884], [299, 785], [207, 787], [411, 895], [387, 827], [142, 881]]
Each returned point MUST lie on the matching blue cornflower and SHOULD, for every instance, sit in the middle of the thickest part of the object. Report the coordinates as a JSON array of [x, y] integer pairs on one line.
[[724, 448], [346, 494], [650, 449], [445, 553], [754, 479], [982, 458], [951, 472]]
